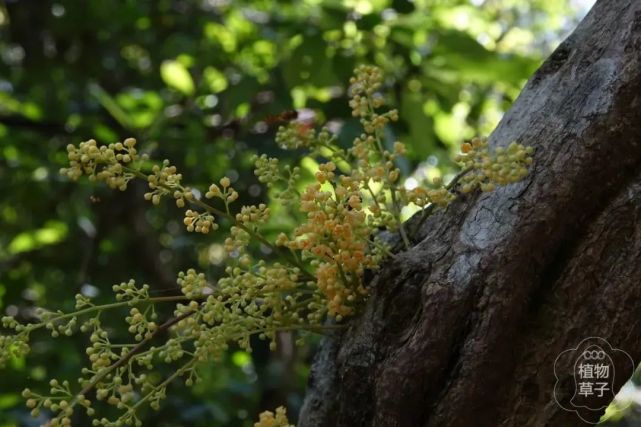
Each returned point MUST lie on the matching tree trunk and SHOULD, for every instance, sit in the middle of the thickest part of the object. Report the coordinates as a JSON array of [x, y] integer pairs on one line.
[[465, 327]]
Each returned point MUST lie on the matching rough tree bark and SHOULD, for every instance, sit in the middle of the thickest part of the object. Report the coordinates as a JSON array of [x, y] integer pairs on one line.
[[464, 328]]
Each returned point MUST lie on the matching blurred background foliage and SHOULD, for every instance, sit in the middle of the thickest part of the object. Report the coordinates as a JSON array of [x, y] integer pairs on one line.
[[194, 81]]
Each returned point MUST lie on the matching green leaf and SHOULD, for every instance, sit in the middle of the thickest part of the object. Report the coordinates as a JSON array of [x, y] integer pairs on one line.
[[176, 76], [9, 400], [53, 232], [310, 65], [457, 55], [110, 105], [421, 135], [215, 80], [142, 108], [241, 359]]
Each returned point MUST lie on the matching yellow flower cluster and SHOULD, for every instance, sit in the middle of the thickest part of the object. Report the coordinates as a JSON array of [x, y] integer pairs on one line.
[[129, 291], [250, 300], [487, 170], [58, 404], [266, 169], [165, 180], [253, 214], [139, 324], [100, 352], [199, 222], [366, 81], [325, 172], [336, 237], [269, 419], [114, 165], [423, 196], [192, 284], [375, 163], [227, 194], [295, 135], [104, 163], [238, 240]]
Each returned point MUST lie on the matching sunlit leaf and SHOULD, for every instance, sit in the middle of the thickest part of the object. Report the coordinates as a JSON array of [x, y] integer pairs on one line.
[[53, 232], [8, 400], [176, 75], [241, 359], [110, 105], [215, 80]]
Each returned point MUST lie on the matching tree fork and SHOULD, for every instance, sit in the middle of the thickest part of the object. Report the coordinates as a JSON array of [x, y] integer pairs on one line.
[[464, 328]]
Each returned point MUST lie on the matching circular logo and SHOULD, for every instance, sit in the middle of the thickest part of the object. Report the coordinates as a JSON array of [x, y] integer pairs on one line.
[[588, 377]]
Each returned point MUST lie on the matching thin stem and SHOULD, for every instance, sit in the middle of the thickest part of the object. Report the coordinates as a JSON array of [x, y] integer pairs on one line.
[[383, 248], [339, 152], [397, 214], [95, 308], [392, 186], [373, 196], [124, 359], [189, 365], [457, 178], [429, 209], [169, 379], [197, 202]]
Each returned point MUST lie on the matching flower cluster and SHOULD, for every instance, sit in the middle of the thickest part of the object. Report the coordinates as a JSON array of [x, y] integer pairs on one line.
[[129, 291], [140, 325], [487, 170], [266, 169], [16, 345], [105, 163], [424, 196], [295, 135], [374, 160], [253, 214], [366, 82], [311, 274], [269, 172], [192, 284], [269, 419], [237, 241], [58, 403], [336, 239], [227, 194], [165, 180], [200, 222]]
